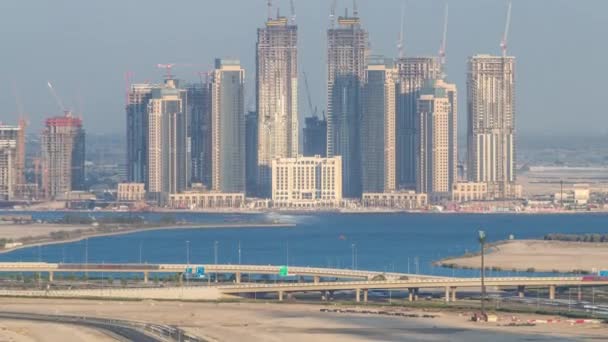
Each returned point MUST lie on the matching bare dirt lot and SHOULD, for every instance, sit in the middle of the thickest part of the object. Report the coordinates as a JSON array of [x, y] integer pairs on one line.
[[298, 322], [542, 256]]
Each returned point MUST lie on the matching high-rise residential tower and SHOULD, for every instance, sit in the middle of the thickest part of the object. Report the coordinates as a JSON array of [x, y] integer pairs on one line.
[[491, 123], [168, 157], [251, 153], [436, 164], [277, 96], [9, 150], [63, 156], [378, 127], [137, 132], [315, 137], [199, 110], [228, 127], [347, 54], [412, 74]]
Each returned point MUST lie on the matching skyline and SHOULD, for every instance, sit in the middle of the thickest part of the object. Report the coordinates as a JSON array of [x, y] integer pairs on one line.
[[126, 49]]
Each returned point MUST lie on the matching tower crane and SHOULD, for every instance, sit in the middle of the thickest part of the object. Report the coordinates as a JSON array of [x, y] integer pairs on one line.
[[167, 68], [313, 110], [505, 37], [58, 100], [332, 14], [400, 43], [292, 4], [444, 39]]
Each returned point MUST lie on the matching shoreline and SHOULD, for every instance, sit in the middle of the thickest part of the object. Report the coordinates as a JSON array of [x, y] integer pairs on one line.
[[344, 211], [534, 256], [156, 228]]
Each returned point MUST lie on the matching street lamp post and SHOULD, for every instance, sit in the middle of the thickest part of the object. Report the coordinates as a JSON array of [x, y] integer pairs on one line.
[[482, 241], [188, 252], [353, 250]]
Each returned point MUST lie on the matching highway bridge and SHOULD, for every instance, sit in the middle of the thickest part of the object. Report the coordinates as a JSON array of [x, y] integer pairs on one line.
[[414, 285], [316, 273]]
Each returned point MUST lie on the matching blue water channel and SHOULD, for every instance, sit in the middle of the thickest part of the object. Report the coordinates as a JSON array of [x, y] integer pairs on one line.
[[381, 242]]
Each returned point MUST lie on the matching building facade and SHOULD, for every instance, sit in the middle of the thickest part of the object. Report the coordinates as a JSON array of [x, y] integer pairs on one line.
[[251, 153], [491, 123], [131, 192], [347, 55], [9, 170], [168, 157], [277, 96], [315, 137], [228, 127], [137, 131], [199, 111], [306, 182], [63, 156], [201, 200], [413, 72], [405, 200], [436, 159], [469, 191], [379, 128]]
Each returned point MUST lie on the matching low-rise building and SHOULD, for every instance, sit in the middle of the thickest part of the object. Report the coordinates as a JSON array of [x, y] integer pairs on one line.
[[307, 182], [469, 191], [131, 192], [408, 200], [206, 200], [581, 194]]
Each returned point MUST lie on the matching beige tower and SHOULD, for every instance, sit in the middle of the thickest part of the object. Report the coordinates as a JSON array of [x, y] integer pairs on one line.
[[436, 157], [491, 123], [277, 96]]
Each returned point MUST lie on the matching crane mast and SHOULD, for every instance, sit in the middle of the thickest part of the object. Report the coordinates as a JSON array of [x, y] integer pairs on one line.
[[505, 37]]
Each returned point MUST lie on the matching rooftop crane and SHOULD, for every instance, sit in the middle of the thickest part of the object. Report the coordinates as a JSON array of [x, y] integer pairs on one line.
[[504, 42], [269, 5], [313, 110], [292, 3], [167, 68], [355, 9], [444, 39], [400, 43], [332, 14], [58, 100]]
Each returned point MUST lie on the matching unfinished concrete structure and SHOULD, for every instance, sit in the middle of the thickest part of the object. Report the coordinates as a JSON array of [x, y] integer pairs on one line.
[[491, 123], [63, 156], [277, 96], [9, 170]]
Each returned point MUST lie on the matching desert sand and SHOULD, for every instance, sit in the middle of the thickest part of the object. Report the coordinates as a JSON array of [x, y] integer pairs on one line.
[[262, 321], [19, 231], [26, 331], [540, 255]]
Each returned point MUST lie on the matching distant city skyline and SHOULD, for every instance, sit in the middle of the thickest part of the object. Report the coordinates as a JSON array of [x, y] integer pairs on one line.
[[85, 55]]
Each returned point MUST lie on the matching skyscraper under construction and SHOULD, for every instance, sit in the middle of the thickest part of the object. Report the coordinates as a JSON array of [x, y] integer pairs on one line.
[[277, 96], [347, 54], [491, 123], [63, 156]]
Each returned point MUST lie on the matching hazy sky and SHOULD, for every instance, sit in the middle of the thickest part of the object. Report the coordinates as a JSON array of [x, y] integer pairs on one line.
[[85, 47]]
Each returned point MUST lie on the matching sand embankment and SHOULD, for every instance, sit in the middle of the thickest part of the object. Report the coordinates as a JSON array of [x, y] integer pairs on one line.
[[538, 256], [40, 233]]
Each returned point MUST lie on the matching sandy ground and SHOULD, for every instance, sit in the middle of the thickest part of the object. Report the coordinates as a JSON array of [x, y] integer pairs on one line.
[[543, 256], [17, 231], [258, 322], [24, 331]]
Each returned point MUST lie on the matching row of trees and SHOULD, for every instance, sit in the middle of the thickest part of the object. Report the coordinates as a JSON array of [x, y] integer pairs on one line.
[[577, 237]]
